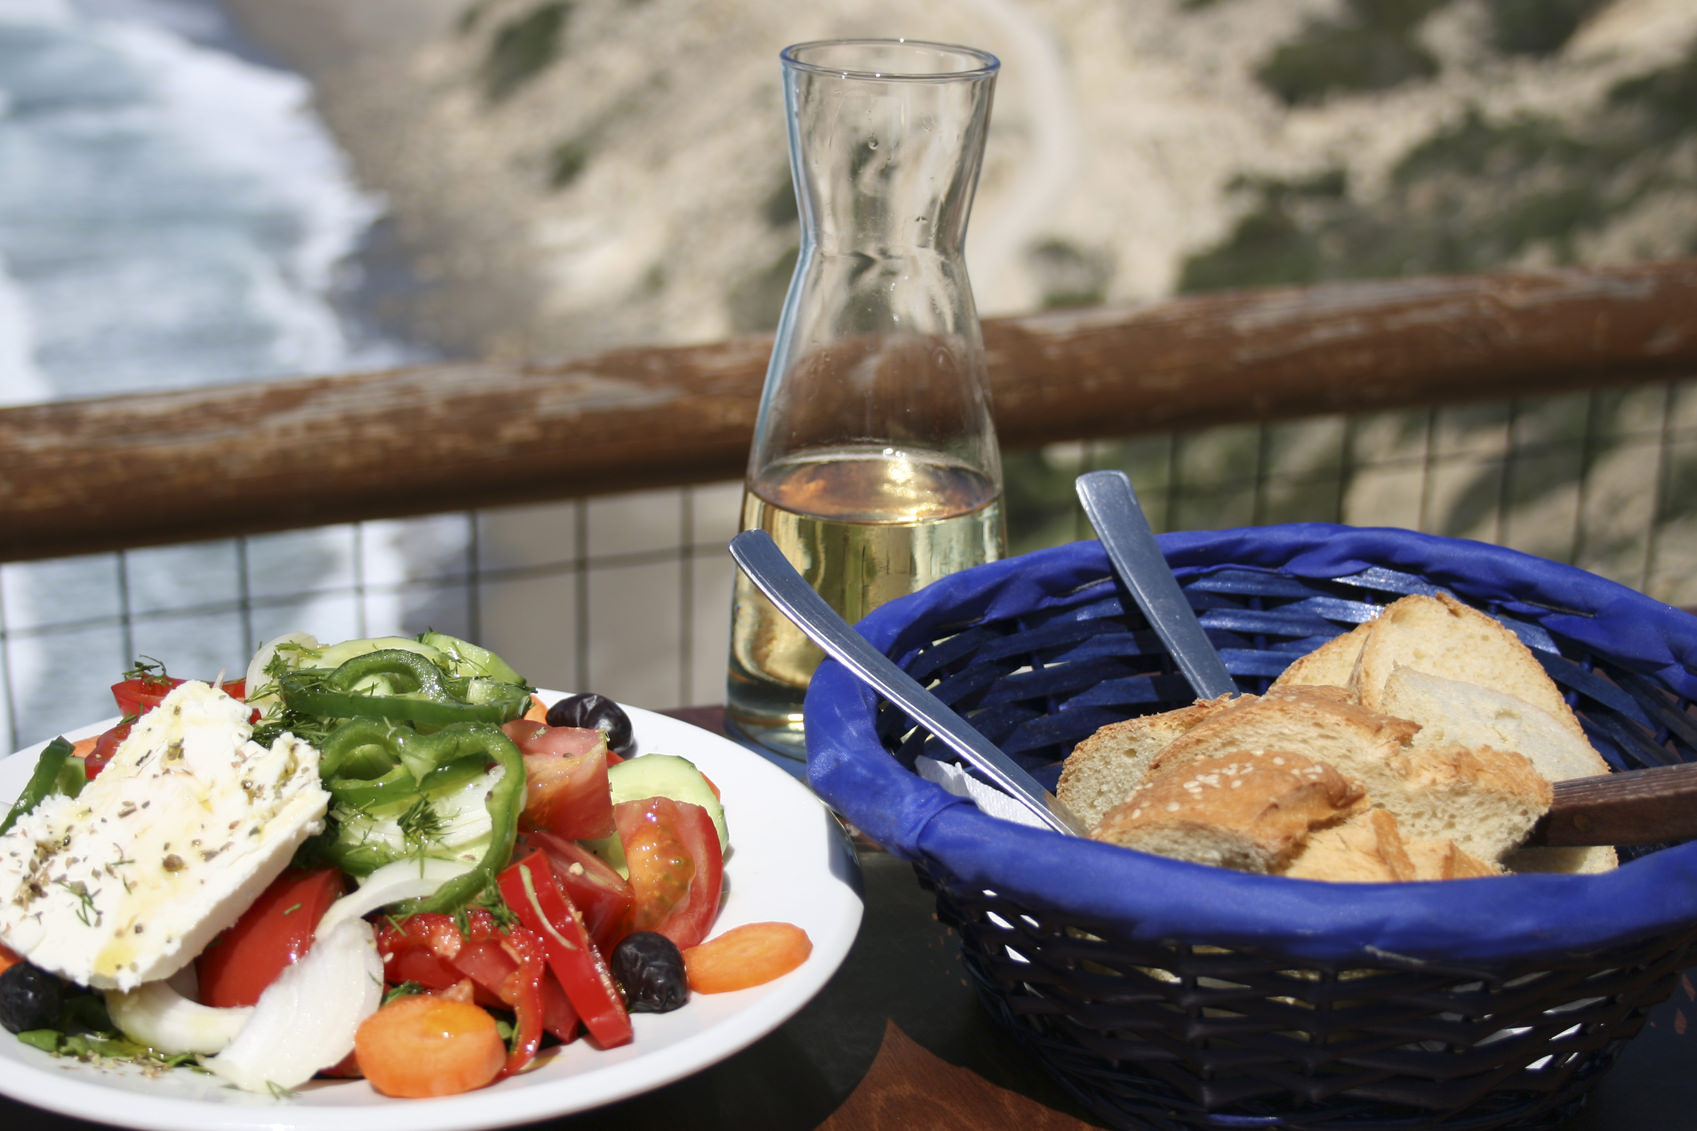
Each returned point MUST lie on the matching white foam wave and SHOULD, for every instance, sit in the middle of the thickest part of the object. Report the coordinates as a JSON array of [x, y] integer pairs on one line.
[[179, 214], [21, 381], [35, 11], [257, 129], [170, 215]]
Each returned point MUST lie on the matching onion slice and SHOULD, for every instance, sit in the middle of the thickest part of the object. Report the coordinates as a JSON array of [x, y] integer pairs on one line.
[[307, 1018], [156, 1015], [255, 676], [305, 1021], [392, 883]]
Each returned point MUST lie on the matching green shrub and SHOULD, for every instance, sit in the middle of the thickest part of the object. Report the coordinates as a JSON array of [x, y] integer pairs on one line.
[[1373, 46], [522, 48]]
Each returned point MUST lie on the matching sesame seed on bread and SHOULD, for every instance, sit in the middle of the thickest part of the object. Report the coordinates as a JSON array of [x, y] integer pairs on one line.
[[1314, 720], [1105, 768], [1249, 810]]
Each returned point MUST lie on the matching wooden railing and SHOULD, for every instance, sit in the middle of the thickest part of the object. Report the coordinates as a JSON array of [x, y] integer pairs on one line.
[[93, 475]]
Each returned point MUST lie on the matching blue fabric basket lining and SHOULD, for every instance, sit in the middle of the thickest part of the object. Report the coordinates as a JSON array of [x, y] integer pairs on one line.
[[1266, 595]]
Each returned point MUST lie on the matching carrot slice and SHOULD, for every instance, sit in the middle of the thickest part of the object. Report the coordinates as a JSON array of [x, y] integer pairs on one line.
[[83, 747], [749, 955], [423, 1045], [537, 712]]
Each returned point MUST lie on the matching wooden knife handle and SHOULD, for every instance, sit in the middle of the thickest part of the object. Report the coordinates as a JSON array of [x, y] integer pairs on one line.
[[1632, 807]]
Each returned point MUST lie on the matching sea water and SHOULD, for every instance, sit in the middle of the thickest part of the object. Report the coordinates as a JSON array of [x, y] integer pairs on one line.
[[171, 215]]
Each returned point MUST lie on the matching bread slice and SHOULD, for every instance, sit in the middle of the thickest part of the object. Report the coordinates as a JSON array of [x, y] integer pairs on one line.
[[1369, 848], [1105, 768], [1442, 636], [1365, 849], [1314, 721], [1332, 664], [1247, 810], [1442, 860], [1484, 800], [1452, 712]]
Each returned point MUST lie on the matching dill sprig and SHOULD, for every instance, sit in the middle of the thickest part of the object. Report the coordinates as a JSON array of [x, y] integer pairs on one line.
[[421, 825]]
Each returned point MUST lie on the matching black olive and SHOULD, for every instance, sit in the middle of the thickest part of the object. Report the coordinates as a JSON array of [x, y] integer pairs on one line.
[[30, 998], [650, 969], [598, 711]]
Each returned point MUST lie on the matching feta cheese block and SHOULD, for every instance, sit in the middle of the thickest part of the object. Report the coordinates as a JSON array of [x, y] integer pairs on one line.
[[181, 831]]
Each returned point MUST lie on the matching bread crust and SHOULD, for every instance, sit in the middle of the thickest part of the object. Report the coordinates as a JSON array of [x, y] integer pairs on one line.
[[1332, 664], [1365, 849], [1316, 721], [1442, 860], [1370, 848], [1245, 809], [1105, 768], [1441, 635]]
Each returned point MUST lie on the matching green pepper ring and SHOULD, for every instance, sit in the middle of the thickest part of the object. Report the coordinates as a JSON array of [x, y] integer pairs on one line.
[[422, 753], [426, 696]]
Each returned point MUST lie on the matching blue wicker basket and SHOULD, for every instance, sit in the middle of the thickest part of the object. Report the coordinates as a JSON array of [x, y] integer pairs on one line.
[[1169, 995]]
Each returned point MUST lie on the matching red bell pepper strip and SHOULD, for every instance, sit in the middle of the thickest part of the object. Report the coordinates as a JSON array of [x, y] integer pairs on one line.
[[533, 892], [600, 894], [509, 966], [522, 989]]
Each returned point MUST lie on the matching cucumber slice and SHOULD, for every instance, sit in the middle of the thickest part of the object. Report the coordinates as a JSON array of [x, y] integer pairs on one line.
[[471, 659], [667, 775], [335, 655]]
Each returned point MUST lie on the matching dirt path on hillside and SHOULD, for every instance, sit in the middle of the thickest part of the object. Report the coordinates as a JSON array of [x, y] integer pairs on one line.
[[1002, 233]]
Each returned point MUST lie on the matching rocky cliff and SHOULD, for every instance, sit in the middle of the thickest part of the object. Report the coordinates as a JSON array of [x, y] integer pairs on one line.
[[573, 174]]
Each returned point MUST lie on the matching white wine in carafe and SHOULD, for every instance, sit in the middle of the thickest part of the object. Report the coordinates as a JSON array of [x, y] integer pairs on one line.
[[864, 527], [874, 464]]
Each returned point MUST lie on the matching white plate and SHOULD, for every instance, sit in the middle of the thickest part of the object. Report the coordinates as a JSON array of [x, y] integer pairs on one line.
[[789, 861]]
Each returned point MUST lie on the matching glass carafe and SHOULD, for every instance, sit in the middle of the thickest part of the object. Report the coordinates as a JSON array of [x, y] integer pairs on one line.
[[874, 463]]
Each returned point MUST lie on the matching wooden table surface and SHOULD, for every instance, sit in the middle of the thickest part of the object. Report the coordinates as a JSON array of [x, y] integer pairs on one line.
[[897, 1039]]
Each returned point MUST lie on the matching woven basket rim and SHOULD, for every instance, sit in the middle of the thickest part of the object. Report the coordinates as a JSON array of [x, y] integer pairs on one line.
[[1155, 899]]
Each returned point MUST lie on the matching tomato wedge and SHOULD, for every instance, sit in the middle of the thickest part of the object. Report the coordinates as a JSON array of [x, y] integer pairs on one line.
[[508, 969], [104, 747], [596, 890], [534, 893], [272, 934], [676, 868], [565, 774], [139, 694]]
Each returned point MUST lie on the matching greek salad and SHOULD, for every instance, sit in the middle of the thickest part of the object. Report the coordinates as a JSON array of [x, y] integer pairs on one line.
[[383, 857]]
